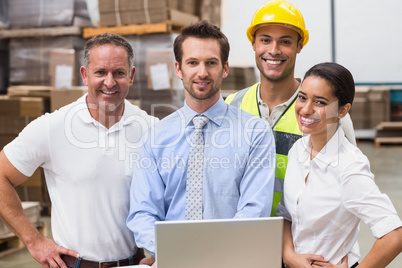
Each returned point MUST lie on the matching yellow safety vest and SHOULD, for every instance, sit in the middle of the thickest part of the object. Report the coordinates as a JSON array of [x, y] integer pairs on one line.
[[286, 132]]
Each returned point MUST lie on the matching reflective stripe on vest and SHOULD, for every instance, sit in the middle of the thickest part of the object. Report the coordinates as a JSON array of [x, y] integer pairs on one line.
[[286, 132]]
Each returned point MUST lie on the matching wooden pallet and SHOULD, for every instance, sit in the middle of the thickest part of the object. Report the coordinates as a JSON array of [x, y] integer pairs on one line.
[[13, 244], [39, 32], [135, 29], [388, 133], [387, 140]]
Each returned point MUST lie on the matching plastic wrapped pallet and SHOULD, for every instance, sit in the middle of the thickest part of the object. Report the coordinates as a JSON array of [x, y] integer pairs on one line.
[[47, 13], [4, 66], [3, 14], [149, 51], [151, 42], [30, 58]]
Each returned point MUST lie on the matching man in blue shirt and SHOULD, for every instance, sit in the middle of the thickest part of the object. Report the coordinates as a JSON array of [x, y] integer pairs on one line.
[[238, 155]]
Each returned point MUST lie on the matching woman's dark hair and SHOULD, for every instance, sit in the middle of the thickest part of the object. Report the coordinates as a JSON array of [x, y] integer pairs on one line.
[[338, 77], [203, 30]]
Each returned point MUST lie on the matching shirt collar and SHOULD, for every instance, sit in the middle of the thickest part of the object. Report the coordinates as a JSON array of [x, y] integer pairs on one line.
[[215, 113], [328, 156], [84, 111], [286, 103], [86, 117]]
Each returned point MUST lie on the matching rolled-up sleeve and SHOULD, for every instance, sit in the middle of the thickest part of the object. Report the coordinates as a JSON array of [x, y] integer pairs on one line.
[[363, 198]]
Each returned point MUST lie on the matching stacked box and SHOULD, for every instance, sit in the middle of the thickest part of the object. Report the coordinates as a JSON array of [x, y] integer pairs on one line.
[[62, 97], [210, 10], [4, 66], [22, 106], [371, 106], [47, 13], [30, 58], [239, 78], [124, 12], [379, 105], [359, 111], [16, 113]]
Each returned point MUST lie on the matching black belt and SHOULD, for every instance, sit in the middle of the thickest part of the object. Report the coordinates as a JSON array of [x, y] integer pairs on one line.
[[81, 263]]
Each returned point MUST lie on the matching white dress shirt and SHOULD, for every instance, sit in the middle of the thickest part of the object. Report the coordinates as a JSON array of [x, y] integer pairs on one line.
[[340, 190]]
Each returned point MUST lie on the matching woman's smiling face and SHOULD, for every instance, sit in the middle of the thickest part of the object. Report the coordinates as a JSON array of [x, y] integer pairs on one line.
[[316, 107]]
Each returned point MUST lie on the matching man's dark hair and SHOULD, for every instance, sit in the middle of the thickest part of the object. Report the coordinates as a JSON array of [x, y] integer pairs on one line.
[[203, 30]]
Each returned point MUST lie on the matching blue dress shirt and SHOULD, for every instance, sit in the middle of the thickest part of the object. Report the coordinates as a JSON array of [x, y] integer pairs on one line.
[[239, 169]]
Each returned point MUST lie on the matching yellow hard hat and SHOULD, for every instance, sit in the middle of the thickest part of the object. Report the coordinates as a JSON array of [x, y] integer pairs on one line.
[[282, 12]]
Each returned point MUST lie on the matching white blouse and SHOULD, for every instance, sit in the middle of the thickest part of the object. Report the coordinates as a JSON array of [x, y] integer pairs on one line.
[[340, 190]]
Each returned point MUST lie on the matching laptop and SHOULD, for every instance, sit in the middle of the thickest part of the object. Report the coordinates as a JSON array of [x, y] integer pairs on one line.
[[224, 243]]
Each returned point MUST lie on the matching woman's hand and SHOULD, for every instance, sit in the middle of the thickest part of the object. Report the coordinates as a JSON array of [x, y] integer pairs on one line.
[[305, 261], [318, 264]]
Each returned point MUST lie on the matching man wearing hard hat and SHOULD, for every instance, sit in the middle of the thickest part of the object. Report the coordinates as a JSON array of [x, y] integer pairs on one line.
[[277, 34]]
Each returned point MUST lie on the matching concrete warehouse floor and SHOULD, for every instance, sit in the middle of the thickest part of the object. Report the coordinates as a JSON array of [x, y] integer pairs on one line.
[[385, 164]]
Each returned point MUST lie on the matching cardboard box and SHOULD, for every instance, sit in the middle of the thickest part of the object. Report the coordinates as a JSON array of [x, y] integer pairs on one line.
[[13, 124], [62, 97], [210, 10], [159, 69], [379, 105], [359, 113], [22, 106], [186, 6], [62, 68], [156, 15], [29, 91], [370, 107]]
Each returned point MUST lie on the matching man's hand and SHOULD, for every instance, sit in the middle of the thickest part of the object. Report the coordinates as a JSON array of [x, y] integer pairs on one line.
[[47, 252], [149, 261]]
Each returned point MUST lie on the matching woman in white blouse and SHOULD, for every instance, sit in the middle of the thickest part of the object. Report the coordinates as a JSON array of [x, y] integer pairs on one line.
[[328, 185]]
